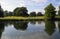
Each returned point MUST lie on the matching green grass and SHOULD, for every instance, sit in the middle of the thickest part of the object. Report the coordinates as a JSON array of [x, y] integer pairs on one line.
[[11, 17], [21, 18], [25, 18]]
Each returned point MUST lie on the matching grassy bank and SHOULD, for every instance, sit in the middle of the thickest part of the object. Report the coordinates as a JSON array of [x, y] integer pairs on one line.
[[21, 18], [25, 18]]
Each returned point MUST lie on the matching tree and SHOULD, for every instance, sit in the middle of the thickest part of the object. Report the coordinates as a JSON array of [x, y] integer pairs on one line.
[[59, 11], [1, 12], [32, 14], [6, 13], [10, 13], [50, 12], [16, 11], [39, 14], [21, 11]]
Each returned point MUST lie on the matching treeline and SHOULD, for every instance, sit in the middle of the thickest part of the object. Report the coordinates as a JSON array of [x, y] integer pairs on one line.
[[22, 11]]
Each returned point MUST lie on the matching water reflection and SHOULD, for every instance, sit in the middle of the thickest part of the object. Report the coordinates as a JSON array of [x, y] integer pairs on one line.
[[20, 25], [59, 26], [50, 27], [29, 29], [1, 28], [39, 22], [33, 22]]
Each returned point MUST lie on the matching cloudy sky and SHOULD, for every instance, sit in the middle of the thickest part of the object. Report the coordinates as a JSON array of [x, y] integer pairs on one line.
[[32, 5]]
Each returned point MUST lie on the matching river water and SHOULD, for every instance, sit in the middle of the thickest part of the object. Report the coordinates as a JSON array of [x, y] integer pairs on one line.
[[30, 30]]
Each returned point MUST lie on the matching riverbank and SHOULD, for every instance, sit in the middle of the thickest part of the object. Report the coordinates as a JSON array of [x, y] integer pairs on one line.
[[26, 18]]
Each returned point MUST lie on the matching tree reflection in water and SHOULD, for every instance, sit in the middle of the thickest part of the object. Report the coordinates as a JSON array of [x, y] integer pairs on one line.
[[20, 25], [33, 22], [59, 26], [1, 28], [49, 27], [39, 22]]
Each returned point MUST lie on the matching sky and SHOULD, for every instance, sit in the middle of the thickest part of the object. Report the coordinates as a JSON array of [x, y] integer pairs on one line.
[[32, 5]]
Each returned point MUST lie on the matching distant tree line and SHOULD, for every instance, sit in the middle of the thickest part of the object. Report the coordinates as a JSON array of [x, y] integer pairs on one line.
[[22, 11]]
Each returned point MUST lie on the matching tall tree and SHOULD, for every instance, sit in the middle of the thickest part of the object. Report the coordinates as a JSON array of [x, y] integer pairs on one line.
[[21, 11], [32, 14], [1, 12], [59, 11], [50, 12]]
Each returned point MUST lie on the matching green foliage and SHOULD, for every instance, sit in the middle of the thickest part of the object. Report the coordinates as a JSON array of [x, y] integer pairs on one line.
[[50, 12], [59, 11], [6, 13], [16, 11], [32, 14], [1, 12], [11, 14], [21, 11], [39, 14]]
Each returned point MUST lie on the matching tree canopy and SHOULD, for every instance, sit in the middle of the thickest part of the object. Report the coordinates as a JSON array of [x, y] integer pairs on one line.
[[21, 11], [39, 14], [32, 13], [1, 12], [59, 11], [50, 12]]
